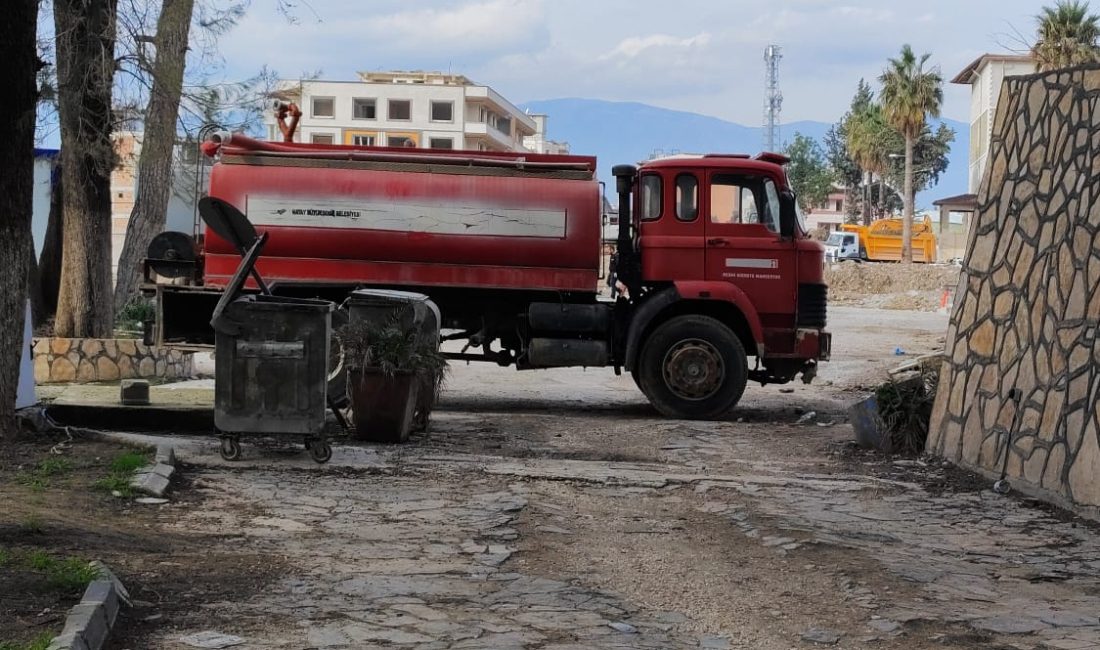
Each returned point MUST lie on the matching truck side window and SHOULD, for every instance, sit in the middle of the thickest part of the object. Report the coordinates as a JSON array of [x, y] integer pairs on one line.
[[744, 199], [687, 197], [650, 208]]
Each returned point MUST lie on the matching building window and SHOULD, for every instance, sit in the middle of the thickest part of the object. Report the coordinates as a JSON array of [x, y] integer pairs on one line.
[[363, 140], [687, 197], [400, 109], [364, 109], [441, 143], [400, 141], [323, 107], [443, 111], [321, 138], [650, 208]]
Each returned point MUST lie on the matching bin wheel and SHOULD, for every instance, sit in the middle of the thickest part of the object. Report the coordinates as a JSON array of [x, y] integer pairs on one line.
[[231, 449], [320, 451]]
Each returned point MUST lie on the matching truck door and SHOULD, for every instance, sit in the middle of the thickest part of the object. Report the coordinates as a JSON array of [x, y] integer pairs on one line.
[[671, 238], [743, 245]]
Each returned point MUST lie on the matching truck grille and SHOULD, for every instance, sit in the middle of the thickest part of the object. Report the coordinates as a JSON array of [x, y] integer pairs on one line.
[[812, 301]]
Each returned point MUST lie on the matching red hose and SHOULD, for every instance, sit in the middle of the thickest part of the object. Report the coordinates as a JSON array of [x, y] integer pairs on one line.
[[237, 144]]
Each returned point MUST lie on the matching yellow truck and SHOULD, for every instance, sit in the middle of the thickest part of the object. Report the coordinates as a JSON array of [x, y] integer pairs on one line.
[[880, 242]]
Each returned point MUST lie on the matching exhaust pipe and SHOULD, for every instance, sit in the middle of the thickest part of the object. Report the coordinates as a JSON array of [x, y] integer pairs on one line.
[[628, 268]]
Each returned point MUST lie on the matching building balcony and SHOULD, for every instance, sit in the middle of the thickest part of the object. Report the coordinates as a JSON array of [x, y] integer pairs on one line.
[[525, 126], [480, 130]]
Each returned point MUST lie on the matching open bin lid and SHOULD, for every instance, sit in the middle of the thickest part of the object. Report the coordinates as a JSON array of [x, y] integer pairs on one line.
[[218, 321]]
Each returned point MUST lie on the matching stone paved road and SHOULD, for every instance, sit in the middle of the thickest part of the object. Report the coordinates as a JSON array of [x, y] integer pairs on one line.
[[555, 510]]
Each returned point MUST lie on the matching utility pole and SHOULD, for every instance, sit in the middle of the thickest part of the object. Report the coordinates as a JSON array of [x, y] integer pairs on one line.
[[773, 98]]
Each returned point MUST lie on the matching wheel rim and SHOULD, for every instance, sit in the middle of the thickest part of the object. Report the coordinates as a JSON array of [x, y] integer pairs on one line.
[[693, 369]]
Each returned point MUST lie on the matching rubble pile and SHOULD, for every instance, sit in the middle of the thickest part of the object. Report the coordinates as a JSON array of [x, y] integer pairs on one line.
[[890, 286]]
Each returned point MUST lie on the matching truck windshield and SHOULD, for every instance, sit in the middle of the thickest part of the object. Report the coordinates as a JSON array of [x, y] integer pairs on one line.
[[835, 239]]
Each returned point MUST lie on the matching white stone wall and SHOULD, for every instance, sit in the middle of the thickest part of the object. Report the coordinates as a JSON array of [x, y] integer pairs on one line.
[[61, 360]]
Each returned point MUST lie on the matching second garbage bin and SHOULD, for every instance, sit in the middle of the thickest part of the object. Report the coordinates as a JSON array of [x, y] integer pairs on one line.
[[387, 406]]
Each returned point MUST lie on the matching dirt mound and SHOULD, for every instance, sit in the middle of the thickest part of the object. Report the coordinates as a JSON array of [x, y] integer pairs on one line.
[[890, 286]]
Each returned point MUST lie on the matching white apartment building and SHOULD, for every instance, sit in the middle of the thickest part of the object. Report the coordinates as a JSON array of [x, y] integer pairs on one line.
[[984, 76], [400, 109], [539, 143]]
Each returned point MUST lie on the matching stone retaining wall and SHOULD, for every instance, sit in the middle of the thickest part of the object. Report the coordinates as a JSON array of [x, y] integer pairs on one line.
[[1027, 305], [58, 360]]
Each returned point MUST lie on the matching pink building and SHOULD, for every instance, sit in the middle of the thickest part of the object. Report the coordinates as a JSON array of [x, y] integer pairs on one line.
[[830, 214]]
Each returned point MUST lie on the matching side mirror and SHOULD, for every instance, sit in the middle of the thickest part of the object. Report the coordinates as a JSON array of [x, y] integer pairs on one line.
[[788, 214]]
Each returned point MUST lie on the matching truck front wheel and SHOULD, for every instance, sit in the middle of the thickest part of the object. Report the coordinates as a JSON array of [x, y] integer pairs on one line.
[[693, 367]]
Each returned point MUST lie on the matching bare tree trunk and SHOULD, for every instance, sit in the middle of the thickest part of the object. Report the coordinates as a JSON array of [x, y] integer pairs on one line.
[[155, 165], [85, 72], [907, 215], [49, 262], [882, 195], [866, 207], [18, 78]]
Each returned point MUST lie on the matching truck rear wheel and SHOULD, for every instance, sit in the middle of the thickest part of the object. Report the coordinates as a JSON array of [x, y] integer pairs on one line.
[[693, 367]]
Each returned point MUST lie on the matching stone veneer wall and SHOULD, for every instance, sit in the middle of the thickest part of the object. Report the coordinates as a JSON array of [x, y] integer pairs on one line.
[[59, 360], [1027, 305]]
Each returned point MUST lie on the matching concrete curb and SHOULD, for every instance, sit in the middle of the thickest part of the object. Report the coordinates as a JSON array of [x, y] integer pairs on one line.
[[89, 622], [154, 479]]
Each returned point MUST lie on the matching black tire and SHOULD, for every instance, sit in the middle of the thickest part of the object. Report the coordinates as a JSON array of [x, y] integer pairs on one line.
[[693, 368], [338, 372]]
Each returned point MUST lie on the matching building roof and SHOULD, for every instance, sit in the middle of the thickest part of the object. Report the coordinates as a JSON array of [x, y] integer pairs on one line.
[[966, 77], [959, 201], [415, 77]]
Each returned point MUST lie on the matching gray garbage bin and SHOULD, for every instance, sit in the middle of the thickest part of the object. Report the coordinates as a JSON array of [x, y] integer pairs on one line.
[[271, 370], [415, 312], [414, 309]]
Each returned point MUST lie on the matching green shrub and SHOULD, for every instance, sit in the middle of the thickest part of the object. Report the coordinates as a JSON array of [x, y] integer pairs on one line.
[[905, 409], [134, 313], [40, 642], [129, 461]]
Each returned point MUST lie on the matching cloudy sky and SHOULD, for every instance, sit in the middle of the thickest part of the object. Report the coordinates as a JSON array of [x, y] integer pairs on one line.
[[698, 55]]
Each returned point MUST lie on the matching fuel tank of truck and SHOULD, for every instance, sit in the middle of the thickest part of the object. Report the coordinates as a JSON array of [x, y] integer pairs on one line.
[[387, 216]]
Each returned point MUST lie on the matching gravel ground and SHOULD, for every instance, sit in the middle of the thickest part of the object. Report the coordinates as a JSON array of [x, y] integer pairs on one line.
[[556, 509]]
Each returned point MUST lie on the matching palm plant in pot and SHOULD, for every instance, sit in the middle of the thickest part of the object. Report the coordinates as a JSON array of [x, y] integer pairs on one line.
[[393, 377]]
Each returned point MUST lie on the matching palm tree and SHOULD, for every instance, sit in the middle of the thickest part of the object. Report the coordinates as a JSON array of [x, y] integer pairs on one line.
[[1067, 36], [910, 94], [870, 142]]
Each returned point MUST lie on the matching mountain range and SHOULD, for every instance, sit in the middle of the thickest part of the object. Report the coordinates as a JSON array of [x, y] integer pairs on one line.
[[624, 132]]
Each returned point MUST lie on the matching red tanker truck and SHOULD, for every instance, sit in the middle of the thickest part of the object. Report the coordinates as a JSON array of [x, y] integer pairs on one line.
[[721, 284]]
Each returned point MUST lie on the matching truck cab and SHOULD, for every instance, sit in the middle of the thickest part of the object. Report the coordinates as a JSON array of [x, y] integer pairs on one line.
[[843, 246], [725, 263]]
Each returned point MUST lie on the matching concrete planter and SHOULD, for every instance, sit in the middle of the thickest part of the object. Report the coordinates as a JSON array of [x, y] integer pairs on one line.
[[383, 406]]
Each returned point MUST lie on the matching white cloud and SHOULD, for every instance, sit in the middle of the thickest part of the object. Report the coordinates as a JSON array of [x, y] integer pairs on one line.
[[475, 26], [635, 45]]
